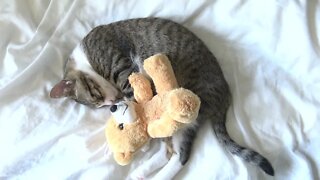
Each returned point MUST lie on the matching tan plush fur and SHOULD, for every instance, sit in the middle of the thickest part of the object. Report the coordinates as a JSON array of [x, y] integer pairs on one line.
[[158, 116], [124, 143]]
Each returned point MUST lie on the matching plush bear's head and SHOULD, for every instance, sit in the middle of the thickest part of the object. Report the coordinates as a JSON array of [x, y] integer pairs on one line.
[[157, 116], [126, 131]]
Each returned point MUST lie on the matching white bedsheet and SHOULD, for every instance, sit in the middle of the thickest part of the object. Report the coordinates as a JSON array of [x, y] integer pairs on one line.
[[269, 52]]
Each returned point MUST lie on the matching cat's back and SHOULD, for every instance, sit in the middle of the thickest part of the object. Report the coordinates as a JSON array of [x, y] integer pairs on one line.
[[193, 63], [147, 36], [144, 37]]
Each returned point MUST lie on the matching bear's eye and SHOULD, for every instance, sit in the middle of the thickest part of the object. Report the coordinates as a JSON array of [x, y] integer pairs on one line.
[[113, 108], [120, 126]]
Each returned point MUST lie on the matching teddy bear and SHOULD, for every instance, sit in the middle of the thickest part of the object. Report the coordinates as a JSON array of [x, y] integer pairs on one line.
[[133, 123]]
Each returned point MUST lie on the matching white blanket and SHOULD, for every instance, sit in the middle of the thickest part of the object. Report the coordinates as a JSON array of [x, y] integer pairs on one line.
[[269, 52]]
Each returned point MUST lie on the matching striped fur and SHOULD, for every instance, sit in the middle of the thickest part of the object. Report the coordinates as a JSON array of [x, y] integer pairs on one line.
[[116, 50]]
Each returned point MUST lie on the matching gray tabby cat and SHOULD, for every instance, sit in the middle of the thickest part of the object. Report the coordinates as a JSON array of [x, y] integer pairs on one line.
[[97, 71]]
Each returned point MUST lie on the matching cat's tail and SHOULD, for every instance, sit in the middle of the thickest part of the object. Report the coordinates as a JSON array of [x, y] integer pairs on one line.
[[246, 154]]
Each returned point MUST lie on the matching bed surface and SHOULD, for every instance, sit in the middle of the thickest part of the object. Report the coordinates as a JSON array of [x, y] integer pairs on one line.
[[269, 53]]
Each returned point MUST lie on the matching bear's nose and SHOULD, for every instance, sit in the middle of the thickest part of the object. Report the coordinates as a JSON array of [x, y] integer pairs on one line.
[[113, 108]]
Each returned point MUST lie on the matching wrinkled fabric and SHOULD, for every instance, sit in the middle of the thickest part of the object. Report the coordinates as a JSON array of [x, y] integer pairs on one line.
[[269, 53]]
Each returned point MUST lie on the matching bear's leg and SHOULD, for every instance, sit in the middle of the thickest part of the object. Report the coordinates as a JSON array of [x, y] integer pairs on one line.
[[183, 105], [163, 127]]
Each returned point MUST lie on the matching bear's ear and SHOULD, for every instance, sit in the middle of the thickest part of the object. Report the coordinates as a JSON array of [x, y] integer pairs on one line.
[[62, 89]]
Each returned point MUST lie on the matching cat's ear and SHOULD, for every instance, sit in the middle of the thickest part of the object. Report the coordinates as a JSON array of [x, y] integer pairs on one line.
[[63, 89]]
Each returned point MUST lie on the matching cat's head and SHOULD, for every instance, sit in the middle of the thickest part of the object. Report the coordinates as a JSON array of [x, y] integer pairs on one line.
[[82, 84]]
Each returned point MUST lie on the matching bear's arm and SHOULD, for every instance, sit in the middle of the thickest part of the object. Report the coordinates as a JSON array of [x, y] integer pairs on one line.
[[141, 87]]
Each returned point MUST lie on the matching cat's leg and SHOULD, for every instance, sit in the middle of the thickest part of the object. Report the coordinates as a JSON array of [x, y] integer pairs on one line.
[[157, 161], [182, 144]]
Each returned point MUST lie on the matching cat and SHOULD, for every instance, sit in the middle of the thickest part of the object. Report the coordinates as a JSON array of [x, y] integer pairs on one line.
[[96, 74]]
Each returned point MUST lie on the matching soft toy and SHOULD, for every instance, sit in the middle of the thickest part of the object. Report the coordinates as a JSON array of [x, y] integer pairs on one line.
[[158, 116]]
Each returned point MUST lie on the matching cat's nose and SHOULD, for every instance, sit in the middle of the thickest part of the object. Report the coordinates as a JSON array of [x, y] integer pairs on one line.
[[113, 108]]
